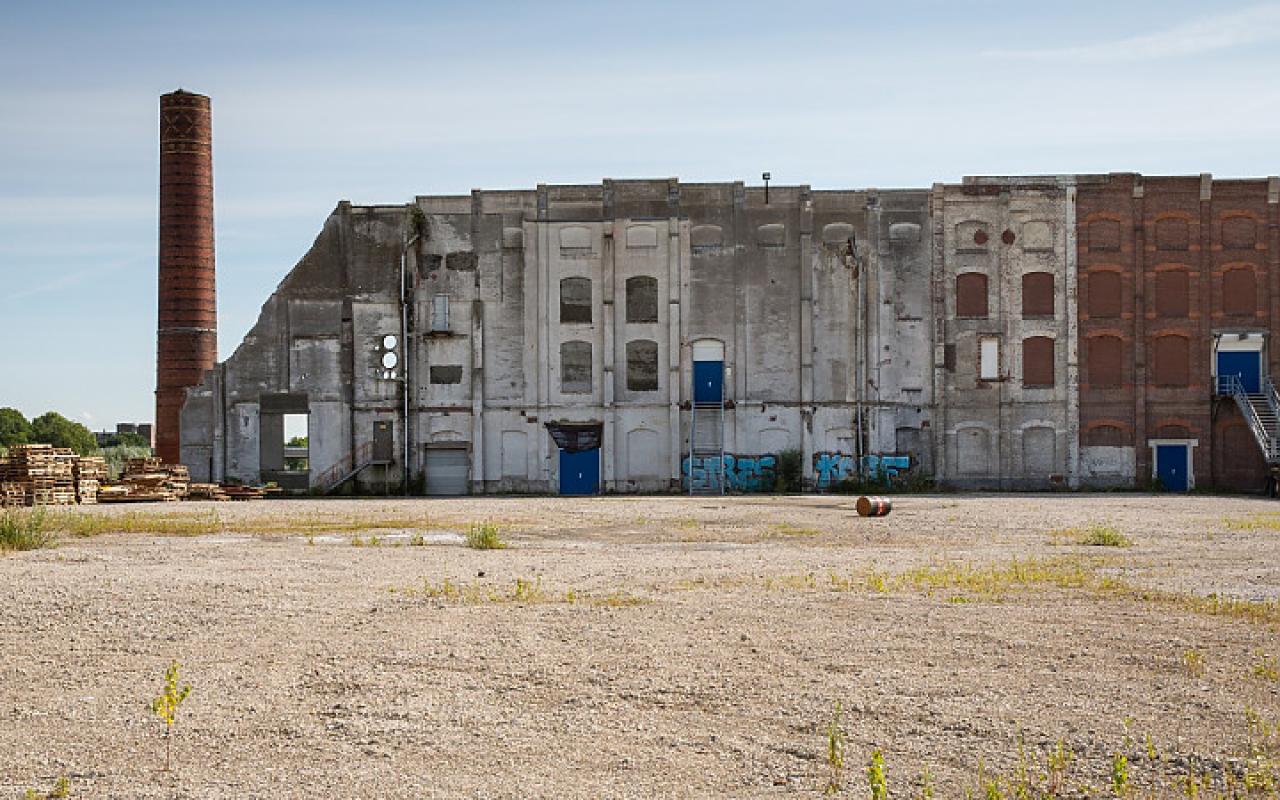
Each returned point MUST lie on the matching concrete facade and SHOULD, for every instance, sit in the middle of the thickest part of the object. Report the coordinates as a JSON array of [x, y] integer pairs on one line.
[[1007, 404], [549, 340]]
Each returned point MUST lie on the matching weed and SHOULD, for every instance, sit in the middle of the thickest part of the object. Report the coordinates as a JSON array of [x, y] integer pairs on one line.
[[926, 784], [374, 541], [617, 599], [876, 779], [1096, 535], [787, 529], [1267, 668], [835, 752], [527, 591], [418, 540], [356, 541], [1253, 522], [167, 704], [25, 530], [311, 541], [1119, 775], [60, 791], [1193, 662], [1057, 762], [484, 536]]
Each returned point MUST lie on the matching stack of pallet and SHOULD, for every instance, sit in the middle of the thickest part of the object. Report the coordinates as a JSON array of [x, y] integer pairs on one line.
[[90, 472], [43, 473], [206, 491], [243, 492], [11, 494], [148, 480]]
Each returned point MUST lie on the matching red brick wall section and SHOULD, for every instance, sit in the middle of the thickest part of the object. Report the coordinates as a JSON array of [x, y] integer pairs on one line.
[[187, 324], [1193, 257]]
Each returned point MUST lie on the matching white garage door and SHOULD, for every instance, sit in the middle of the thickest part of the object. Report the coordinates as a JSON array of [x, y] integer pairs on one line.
[[447, 472]]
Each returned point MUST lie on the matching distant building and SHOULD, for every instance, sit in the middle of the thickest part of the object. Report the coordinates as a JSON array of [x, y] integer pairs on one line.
[[111, 438], [650, 335]]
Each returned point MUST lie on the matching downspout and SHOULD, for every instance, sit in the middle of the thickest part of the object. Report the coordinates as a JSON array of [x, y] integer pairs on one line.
[[406, 387]]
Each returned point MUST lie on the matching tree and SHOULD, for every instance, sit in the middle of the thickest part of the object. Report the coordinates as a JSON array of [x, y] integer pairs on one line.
[[132, 440], [55, 429], [14, 428]]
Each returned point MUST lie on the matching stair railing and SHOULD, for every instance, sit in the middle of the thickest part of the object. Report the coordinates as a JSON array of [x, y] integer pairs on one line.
[[334, 476], [1233, 386]]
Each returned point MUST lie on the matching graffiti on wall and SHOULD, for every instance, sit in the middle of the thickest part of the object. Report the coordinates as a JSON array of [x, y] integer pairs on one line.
[[830, 468], [741, 473]]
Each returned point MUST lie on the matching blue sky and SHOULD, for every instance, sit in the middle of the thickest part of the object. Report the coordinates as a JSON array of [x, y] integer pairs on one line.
[[378, 101]]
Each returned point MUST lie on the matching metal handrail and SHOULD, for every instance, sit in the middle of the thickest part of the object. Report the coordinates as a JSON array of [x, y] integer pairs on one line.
[[328, 480], [1234, 387]]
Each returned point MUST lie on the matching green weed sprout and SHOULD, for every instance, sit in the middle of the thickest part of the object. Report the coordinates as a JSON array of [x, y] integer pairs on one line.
[[166, 707]]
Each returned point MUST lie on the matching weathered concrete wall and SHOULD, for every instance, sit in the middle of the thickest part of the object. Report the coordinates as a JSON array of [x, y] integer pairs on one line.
[[1004, 429], [851, 322]]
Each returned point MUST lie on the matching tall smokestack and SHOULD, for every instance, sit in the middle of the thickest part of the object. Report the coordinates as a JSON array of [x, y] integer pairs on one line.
[[187, 328]]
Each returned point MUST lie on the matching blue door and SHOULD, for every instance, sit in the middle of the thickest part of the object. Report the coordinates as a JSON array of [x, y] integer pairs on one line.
[[1246, 365], [1171, 466], [708, 382], [580, 472]]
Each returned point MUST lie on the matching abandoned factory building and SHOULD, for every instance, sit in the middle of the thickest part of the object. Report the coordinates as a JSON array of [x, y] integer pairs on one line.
[[653, 335]]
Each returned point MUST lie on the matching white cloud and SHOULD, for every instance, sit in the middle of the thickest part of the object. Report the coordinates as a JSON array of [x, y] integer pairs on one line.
[[1203, 35]]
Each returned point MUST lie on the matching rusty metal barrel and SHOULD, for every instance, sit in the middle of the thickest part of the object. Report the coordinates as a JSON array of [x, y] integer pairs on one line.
[[874, 506]]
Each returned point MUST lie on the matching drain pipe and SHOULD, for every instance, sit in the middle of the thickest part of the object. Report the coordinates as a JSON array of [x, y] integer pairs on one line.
[[405, 385]]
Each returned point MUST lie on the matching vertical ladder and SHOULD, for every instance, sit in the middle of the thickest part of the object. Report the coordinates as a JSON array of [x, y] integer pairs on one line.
[[706, 448]]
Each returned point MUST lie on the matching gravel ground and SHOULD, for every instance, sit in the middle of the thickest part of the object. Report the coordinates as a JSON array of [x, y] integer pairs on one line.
[[658, 646]]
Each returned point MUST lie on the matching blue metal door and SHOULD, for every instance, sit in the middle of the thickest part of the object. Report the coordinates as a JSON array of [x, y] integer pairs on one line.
[[1246, 365], [1171, 466], [708, 382], [580, 472]]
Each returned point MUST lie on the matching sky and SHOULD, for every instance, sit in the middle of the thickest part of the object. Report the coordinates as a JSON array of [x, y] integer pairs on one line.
[[376, 102]]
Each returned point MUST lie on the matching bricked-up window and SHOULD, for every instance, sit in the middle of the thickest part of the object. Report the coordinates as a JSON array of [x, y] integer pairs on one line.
[[1172, 234], [642, 299], [1239, 292], [1105, 436], [1173, 432], [1037, 294], [1037, 361], [642, 366], [971, 295], [1104, 234], [1104, 294], [575, 300], [1239, 233], [575, 367], [988, 358], [1104, 361], [1172, 293], [1172, 361]]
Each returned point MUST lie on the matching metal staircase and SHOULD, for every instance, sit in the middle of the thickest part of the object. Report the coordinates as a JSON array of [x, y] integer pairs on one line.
[[706, 448], [331, 479], [1261, 411]]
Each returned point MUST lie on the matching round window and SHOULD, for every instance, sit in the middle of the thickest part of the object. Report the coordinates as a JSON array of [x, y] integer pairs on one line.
[[389, 360], [389, 342]]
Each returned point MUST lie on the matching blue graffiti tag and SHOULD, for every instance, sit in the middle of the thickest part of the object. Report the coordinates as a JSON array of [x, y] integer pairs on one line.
[[832, 468], [741, 473]]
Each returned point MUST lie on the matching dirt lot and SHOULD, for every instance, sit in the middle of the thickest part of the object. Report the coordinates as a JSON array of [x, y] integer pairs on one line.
[[641, 647]]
